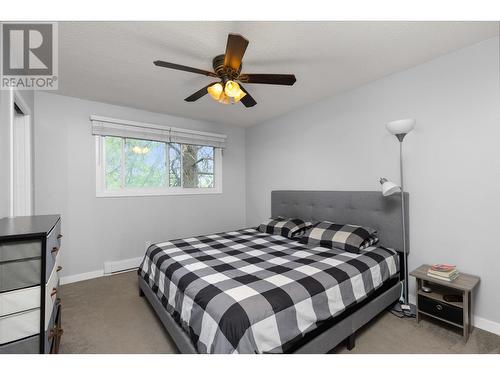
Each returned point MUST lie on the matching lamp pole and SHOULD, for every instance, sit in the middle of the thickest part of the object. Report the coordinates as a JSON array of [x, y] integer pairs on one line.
[[400, 128], [403, 221]]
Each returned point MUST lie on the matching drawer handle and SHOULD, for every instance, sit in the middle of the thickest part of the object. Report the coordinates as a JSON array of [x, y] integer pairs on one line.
[[54, 292], [439, 307], [55, 249], [59, 236], [55, 332], [59, 269]]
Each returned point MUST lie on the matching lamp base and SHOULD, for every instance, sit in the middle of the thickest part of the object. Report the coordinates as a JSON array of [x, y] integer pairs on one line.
[[402, 310]]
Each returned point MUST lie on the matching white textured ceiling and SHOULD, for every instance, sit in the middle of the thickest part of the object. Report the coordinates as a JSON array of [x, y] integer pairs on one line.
[[113, 61]]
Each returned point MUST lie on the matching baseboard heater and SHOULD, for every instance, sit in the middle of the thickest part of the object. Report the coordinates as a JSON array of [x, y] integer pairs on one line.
[[121, 265]]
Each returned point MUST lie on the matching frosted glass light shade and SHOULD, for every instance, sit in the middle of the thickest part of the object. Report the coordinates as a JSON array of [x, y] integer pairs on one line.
[[401, 126], [389, 187], [232, 89], [215, 90]]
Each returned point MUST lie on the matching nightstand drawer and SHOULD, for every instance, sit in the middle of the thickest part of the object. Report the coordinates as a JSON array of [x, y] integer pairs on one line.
[[441, 310]]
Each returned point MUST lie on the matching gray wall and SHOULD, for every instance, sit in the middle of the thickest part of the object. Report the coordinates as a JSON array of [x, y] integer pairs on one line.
[[5, 110], [452, 159], [108, 229]]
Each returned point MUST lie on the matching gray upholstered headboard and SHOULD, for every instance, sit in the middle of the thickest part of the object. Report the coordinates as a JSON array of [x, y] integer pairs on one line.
[[368, 208]]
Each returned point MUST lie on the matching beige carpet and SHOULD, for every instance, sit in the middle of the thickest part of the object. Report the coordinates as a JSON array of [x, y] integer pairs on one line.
[[106, 315]]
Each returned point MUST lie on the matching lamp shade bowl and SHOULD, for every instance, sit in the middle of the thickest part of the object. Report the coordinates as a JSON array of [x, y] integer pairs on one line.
[[403, 126]]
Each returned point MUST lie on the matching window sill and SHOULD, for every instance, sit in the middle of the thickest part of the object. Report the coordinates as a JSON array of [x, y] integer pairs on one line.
[[159, 192]]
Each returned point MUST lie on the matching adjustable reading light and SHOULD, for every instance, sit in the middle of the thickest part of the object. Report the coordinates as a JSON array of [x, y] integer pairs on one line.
[[388, 187]]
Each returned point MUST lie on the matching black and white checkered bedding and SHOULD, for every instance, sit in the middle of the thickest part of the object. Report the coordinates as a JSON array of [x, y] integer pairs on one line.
[[291, 228], [370, 241], [252, 292], [341, 236]]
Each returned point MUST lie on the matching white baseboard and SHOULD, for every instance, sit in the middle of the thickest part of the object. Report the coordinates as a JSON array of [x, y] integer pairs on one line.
[[81, 277], [487, 325]]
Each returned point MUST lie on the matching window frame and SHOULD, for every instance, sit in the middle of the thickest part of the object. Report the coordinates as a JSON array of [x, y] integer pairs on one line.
[[103, 192]]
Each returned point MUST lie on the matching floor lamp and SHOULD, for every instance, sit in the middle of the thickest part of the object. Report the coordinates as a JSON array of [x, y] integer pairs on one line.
[[400, 128]]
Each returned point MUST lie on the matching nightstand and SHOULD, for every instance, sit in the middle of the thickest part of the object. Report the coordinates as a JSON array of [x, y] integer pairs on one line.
[[433, 304]]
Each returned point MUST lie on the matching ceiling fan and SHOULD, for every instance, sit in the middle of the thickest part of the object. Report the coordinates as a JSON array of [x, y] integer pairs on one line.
[[227, 68]]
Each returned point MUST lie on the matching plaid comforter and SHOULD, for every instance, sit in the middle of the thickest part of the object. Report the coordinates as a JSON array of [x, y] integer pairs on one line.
[[253, 292]]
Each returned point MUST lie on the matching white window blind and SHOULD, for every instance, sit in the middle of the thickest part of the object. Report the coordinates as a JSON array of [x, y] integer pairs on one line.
[[103, 126]]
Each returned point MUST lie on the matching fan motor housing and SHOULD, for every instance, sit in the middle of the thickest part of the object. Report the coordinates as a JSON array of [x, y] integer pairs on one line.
[[223, 71]]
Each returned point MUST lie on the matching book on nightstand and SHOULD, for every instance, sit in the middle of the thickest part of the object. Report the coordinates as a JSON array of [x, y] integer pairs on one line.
[[445, 272]]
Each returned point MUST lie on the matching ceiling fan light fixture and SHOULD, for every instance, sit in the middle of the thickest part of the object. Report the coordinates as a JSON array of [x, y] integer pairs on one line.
[[232, 89], [240, 96], [224, 99], [215, 91]]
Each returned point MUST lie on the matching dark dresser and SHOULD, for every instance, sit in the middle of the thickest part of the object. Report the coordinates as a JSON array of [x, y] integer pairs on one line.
[[30, 310]]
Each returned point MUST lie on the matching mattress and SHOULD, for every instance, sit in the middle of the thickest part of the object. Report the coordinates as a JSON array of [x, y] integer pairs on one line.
[[251, 292]]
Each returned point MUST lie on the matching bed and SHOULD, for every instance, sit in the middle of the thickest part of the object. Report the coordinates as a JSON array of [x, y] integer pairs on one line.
[[250, 292]]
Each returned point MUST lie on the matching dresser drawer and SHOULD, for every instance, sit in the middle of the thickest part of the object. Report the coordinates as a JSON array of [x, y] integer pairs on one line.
[[18, 326], [19, 300], [19, 274], [52, 247], [29, 345], [18, 250], [441, 310], [51, 292], [29, 298], [57, 340], [54, 332]]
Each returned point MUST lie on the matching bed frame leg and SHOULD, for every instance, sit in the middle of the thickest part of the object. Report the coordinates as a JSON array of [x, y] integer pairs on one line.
[[141, 293], [351, 342]]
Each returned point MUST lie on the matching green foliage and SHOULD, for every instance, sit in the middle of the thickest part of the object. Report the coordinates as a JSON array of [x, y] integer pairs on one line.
[[145, 164], [174, 164], [113, 162]]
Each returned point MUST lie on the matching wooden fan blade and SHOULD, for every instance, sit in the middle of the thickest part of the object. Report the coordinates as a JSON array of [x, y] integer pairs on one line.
[[198, 94], [270, 79], [247, 100], [235, 49], [184, 68]]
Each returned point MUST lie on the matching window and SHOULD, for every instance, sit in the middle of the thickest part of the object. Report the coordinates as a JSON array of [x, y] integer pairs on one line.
[[136, 167]]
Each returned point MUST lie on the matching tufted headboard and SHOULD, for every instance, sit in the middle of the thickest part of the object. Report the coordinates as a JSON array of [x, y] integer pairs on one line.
[[367, 208]]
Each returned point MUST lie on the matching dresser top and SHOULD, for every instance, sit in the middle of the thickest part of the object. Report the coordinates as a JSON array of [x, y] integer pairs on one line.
[[26, 226]]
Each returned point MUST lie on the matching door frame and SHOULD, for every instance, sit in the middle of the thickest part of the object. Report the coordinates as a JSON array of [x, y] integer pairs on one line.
[[21, 148]]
